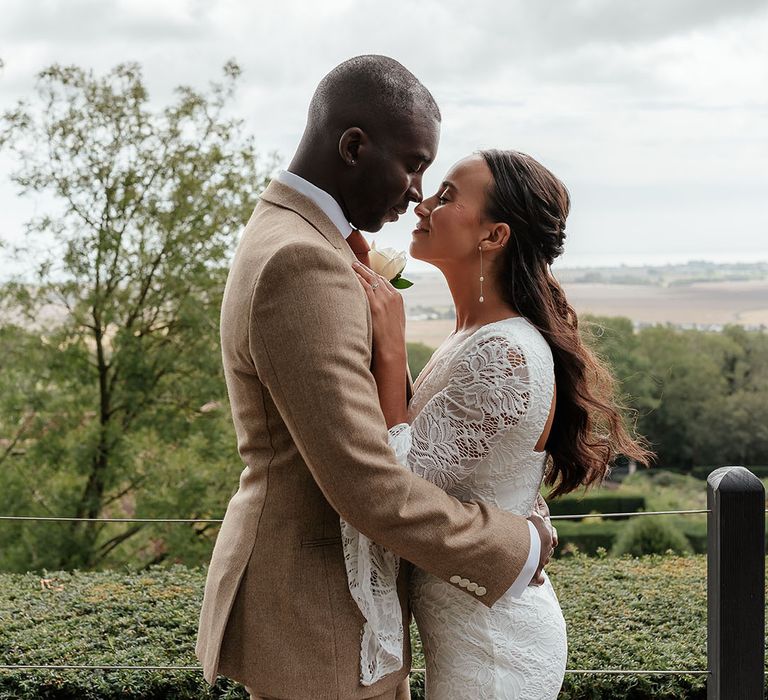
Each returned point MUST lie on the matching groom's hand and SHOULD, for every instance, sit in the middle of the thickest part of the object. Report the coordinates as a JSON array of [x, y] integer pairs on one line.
[[547, 547], [542, 509]]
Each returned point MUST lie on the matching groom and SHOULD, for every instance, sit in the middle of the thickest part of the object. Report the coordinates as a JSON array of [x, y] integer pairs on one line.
[[296, 343]]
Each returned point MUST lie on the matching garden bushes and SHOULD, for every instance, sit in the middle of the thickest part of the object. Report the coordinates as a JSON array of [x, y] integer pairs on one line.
[[598, 503], [650, 535], [647, 613]]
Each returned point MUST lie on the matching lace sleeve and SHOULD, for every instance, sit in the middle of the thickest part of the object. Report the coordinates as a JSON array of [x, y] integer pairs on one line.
[[372, 577], [400, 442], [487, 394]]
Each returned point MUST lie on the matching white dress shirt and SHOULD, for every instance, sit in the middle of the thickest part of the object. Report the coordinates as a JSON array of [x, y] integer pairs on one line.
[[328, 204], [330, 207]]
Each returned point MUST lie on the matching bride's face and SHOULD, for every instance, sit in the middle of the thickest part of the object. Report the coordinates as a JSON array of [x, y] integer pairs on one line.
[[452, 221]]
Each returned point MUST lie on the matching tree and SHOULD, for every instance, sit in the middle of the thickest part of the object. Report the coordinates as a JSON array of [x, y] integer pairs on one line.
[[687, 371], [701, 397], [742, 418], [418, 356], [135, 259], [615, 341]]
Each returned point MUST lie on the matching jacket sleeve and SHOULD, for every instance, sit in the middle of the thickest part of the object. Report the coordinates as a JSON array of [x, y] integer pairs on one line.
[[309, 338]]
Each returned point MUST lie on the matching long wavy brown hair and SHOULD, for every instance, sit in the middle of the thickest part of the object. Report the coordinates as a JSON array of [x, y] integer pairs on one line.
[[588, 431]]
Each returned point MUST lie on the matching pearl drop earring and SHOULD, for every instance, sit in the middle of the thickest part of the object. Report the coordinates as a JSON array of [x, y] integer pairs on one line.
[[482, 279]]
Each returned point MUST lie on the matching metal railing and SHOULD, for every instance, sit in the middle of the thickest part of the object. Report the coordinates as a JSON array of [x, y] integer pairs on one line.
[[577, 516], [735, 587]]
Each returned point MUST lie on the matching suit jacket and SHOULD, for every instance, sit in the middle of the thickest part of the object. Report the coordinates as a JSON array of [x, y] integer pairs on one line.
[[296, 333]]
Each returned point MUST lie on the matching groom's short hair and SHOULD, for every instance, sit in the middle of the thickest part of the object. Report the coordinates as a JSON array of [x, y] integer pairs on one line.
[[374, 85]]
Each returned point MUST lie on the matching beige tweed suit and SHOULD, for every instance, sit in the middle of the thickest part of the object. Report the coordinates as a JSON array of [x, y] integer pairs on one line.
[[296, 344]]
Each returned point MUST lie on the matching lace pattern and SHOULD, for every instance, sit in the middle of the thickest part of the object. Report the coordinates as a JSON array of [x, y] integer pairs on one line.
[[474, 421], [372, 574], [487, 394]]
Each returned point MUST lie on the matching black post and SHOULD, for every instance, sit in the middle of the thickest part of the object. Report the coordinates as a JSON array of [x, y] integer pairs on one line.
[[735, 584]]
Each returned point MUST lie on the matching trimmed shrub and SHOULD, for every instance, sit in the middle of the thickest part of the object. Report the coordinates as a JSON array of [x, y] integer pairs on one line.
[[103, 618], [647, 613], [586, 536], [609, 503], [650, 535], [696, 534]]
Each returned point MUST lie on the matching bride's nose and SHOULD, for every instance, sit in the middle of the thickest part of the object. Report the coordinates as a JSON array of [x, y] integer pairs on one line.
[[422, 210]]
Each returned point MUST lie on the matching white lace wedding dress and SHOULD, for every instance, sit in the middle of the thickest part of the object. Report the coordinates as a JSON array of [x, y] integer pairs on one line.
[[476, 415]]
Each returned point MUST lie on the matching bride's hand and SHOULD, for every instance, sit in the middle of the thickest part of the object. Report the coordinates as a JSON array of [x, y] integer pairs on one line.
[[387, 313]]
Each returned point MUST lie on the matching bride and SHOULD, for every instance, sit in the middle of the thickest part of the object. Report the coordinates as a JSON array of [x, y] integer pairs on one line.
[[510, 399]]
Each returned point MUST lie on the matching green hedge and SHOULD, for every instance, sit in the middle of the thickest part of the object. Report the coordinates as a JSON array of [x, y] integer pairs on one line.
[[610, 503], [587, 536], [647, 613]]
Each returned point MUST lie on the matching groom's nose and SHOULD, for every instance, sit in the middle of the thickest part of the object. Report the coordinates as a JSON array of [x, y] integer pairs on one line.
[[414, 191]]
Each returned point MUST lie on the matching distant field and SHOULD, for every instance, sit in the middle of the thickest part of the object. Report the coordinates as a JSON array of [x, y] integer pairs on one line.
[[710, 302], [744, 303]]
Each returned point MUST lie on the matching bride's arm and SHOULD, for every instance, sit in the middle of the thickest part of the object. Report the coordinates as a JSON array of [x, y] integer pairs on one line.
[[389, 371], [389, 357], [372, 570]]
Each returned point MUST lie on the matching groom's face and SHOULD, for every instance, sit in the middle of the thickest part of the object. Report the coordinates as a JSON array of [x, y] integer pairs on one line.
[[389, 173]]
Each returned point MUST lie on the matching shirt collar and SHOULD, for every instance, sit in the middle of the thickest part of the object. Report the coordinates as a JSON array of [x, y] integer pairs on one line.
[[321, 198]]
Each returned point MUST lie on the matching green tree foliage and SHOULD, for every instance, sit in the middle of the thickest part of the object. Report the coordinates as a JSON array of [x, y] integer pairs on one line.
[[418, 356], [616, 342], [701, 397], [116, 403], [112, 400]]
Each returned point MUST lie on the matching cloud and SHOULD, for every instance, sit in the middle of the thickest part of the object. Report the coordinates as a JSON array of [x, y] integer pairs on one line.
[[647, 99], [103, 21], [583, 22]]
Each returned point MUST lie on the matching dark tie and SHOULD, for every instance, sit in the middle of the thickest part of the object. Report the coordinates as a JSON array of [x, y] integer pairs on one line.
[[359, 247]]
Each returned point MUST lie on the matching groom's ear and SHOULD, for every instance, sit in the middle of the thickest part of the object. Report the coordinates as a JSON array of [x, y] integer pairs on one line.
[[349, 144]]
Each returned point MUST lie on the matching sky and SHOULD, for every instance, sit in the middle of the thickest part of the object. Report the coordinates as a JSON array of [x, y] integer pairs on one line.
[[654, 114]]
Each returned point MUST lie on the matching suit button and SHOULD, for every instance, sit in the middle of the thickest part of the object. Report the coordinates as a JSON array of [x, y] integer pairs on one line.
[[480, 590], [464, 582], [455, 579], [472, 586]]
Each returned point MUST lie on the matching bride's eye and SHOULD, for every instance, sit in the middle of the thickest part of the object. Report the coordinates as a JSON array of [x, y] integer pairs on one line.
[[441, 198]]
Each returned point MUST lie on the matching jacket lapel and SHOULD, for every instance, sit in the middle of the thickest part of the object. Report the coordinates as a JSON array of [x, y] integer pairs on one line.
[[286, 197]]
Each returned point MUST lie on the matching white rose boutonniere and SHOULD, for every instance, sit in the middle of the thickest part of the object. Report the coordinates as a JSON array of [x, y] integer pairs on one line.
[[389, 263]]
